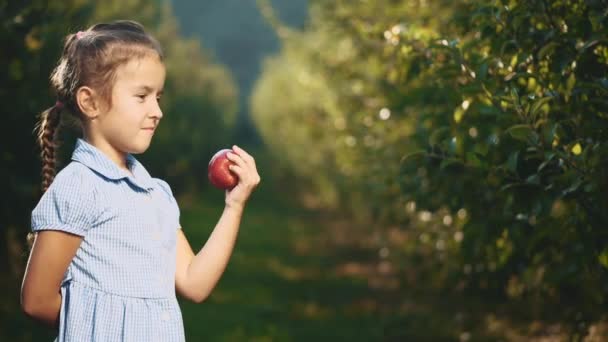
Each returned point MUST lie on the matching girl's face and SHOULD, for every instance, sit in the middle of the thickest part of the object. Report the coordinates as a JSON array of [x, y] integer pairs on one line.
[[128, 126]]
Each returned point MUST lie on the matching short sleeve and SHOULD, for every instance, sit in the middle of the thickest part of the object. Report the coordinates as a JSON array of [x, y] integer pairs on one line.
[[67, 205], [172, 202]]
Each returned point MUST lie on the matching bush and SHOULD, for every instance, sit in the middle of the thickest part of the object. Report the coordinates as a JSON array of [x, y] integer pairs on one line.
[[495, 109]]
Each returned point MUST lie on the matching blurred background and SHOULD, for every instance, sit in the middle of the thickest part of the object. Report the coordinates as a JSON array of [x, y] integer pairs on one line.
[[432, 170]]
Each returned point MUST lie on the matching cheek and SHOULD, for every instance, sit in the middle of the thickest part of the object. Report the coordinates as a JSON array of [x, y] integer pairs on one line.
[[127, 110]]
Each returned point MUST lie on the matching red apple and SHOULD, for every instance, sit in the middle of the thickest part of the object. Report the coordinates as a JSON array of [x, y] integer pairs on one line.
[[219, 174]]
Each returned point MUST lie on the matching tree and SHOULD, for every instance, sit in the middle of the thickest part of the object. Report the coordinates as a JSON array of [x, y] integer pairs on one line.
[[489, 119]]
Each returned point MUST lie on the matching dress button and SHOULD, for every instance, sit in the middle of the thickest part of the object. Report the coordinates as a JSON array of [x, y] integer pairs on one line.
[[156, 235], [165, 316]]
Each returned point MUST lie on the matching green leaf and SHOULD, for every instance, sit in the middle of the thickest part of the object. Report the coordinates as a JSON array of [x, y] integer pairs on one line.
[[589, 44], [546, 162], [548, 132], [449, 162], [547, 49], [533, 179], [412, 156], [481, 149], [516, 75], [570, 86], [537, 105], [511, 185], [482, 72], [473, 159], [522, 132], [512, 162], [577, 183], [515, 100]]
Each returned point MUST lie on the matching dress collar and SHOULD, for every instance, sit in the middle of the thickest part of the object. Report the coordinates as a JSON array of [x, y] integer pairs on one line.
[[94, 159]]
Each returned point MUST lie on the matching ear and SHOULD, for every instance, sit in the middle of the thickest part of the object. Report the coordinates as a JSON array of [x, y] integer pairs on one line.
[[89, 102]]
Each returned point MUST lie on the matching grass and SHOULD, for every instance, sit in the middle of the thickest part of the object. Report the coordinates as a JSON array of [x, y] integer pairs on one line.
[[287, 281], [270, 291], [292, 277]]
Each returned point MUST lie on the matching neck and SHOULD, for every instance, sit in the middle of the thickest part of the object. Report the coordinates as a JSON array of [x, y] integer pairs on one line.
[[117, 156]]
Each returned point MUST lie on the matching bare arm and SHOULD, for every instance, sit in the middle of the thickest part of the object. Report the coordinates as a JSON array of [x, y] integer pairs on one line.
[[49, 259], [197, 275]]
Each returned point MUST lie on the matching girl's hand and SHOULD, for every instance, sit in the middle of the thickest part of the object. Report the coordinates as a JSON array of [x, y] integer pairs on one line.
[[246, 170]]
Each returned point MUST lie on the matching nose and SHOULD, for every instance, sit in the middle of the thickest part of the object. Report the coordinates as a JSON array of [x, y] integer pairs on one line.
[[155, 111]]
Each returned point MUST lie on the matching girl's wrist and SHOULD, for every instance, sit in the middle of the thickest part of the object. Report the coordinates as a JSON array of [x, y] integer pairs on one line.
[[235, 206]]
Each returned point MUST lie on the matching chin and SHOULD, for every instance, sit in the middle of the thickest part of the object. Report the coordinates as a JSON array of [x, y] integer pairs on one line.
[[139, 148]]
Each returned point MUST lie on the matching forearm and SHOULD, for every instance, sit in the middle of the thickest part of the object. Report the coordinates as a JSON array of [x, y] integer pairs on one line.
[[46, 311], [208, 265]]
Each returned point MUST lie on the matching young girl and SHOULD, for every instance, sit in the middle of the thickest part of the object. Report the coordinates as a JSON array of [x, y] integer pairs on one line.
[[109, 254]]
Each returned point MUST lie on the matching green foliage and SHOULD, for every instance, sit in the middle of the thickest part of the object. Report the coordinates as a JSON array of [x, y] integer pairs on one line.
[[30, 44], [497, 108]]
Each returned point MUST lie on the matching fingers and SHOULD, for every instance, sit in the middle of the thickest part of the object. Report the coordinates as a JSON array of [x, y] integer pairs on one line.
[[238, 170], [244, 166], [245, 174], [237, 159], [243, 154]]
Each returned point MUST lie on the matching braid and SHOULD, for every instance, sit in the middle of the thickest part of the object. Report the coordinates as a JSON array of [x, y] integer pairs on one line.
[[47, 133], [47, 127]]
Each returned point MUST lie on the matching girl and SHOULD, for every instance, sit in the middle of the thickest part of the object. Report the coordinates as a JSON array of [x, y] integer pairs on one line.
[[108, 254]]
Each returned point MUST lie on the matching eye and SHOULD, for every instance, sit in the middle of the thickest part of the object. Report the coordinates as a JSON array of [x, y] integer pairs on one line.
[[142, 96]]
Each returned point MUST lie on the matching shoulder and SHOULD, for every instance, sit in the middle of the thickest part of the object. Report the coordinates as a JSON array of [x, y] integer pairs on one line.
[[74, 177], [167, 194], [69, 202], [164, 186]]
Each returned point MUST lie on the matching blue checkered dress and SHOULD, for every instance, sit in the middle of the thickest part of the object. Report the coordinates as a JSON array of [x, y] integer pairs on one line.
[[120, 286]]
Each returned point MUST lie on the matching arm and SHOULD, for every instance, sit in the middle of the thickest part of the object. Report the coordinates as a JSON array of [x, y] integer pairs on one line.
[[197, 275], [49, 259]]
